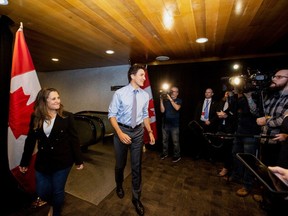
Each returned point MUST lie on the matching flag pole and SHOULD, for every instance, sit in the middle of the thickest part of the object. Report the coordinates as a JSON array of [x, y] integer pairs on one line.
[[21, 27]]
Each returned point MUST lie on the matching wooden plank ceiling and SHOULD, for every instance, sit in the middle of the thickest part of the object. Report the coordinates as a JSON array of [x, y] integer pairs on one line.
[[79, 31]]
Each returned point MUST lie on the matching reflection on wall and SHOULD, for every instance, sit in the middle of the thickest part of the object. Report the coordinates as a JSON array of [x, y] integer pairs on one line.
[[86, 89]]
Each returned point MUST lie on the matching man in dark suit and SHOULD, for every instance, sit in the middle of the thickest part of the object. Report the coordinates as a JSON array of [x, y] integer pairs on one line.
[[206, 117]]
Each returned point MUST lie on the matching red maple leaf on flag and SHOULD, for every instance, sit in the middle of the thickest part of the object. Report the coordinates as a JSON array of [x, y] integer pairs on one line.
[[18, 122], [23, 91]]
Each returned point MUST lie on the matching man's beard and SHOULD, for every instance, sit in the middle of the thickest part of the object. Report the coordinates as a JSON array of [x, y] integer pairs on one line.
[[275, 87]]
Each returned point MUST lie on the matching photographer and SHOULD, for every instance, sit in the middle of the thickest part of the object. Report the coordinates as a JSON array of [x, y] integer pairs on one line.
[[170, 105], [275, 107]]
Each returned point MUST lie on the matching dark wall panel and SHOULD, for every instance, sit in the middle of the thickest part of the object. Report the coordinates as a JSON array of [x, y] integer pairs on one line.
[[192, 80]]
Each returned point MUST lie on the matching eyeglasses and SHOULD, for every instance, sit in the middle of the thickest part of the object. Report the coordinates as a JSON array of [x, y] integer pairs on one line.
[[278, 77], [173, 91]]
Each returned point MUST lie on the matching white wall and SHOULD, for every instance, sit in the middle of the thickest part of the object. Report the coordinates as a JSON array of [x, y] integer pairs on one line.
[[85, 89]]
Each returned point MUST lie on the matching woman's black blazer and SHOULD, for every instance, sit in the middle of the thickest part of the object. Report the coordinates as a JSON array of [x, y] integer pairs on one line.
[[58, 151]]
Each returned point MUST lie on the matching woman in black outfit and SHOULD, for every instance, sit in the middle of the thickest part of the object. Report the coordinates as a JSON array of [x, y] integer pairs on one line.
[[58, 148], [227, 116]]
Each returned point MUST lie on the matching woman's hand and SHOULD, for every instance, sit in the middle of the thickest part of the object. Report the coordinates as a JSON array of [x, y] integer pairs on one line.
[[221, 114], [23, 169]]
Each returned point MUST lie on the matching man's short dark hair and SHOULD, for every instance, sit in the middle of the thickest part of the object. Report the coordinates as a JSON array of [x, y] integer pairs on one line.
[[133, 70], [280, 67]]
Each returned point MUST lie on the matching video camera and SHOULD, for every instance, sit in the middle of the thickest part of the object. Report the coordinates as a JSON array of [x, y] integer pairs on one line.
[[253, 81]]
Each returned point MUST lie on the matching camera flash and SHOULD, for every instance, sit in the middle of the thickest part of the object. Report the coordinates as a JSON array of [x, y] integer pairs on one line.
[[165, 86], [235, 80]]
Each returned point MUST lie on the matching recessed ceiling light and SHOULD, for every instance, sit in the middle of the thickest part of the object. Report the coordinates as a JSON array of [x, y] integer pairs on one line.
[[55, 59], [3, 2], [162, 58], [202, 40], [110, 52]]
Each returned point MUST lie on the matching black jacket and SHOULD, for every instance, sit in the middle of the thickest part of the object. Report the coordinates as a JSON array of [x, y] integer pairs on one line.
[[58, 151], [213, 118], [246, 120], [228, 124]]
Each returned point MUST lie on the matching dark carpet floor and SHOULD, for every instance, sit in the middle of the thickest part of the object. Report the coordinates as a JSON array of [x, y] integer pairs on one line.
[[186, 188]]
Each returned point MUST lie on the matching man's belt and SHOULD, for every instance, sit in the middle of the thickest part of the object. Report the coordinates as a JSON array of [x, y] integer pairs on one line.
[[129, 127]]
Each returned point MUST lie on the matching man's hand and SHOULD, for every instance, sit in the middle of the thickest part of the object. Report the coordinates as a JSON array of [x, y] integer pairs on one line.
[[23, 169], [261, 121], [169, 97], [281, 137], [152, 139], [124, 138]]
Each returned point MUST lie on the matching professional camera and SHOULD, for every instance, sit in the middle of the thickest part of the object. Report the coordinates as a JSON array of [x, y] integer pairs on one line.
[[254, 81], [164, 94], [164, 91]]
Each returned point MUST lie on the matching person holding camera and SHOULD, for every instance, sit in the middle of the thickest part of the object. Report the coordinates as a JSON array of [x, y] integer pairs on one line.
[[275, 107], [170, 105]]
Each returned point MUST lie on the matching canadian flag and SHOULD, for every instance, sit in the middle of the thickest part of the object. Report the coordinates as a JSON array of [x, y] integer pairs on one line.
[[151, 110], [23, 91]]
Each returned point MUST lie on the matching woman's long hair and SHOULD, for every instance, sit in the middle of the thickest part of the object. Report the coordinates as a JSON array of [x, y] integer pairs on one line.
[[40, 109]]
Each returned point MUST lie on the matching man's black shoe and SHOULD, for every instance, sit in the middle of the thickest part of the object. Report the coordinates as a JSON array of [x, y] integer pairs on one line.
[[176, 159], [138, 206], [163, 156], [120, 192]]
